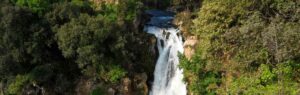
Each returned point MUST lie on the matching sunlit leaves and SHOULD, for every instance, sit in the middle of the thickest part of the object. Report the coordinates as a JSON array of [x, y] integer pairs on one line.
[[254, 43], [16, 86], [37, 6]]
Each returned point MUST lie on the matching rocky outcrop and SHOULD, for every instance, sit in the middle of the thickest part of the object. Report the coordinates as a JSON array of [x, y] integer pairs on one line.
[[135, 85], [126, 87], [189, 46], [140, 84], [84, 86], [111, 91], [184, 22]]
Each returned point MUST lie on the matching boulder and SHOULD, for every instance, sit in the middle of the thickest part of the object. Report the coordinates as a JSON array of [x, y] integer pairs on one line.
[[126, 86], [111, 91], [140, 84], [84, 86]]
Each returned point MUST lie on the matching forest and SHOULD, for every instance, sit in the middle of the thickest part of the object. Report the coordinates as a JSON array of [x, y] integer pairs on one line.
[[98, 47]]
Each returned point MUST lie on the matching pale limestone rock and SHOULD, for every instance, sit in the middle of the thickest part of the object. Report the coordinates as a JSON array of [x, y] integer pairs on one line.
[[126, 86], [111, 91], [189, 46]]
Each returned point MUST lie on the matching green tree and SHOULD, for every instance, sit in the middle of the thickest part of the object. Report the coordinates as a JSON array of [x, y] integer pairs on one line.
[[38, 6], [92, 42], [246, 40]]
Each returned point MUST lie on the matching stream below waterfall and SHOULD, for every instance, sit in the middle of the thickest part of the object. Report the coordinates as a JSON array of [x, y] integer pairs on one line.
[[168, 77]]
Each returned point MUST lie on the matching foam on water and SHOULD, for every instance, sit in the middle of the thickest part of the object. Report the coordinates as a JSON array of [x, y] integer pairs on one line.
[[168, 77]]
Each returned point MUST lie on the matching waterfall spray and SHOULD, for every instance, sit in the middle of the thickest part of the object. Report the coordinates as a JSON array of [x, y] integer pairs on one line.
[[168, 77]]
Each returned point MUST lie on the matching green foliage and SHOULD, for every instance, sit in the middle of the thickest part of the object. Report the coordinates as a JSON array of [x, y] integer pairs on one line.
[[23, 38], [42, 74], [55, 43], [244, 35], [80, 32], [16, 86], [200, 80], [115, 73], [109, 11], [266, 74], [37, 6], [246, 46], [266, 82], [130, 9], [252, 43], [84, 39], [127, 10], [82, 3], [98, 91], [99, 44]]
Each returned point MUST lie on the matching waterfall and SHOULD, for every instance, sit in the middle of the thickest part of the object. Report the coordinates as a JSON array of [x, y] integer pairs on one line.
[[168, 77]]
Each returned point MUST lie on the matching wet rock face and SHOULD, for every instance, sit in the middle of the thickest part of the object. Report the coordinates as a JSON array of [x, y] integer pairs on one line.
[[189, 46], [184, 22], [140, 84]]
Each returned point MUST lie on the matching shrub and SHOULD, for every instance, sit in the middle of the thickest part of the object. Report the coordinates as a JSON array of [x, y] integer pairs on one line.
[[17, 85], [251, 42]]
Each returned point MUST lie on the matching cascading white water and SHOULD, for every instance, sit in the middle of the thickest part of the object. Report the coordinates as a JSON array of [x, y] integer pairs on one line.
[[168, 77]]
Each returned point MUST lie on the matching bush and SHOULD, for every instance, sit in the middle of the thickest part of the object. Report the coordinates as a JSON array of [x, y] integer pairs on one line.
[[115, 73], [17, 85], [199, 79], [98, 91], [37, 6], [266, 81], [247, 42]]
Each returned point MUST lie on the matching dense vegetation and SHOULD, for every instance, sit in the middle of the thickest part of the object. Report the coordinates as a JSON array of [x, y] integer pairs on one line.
[[48, 46], [54, 47], [246, 47]]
